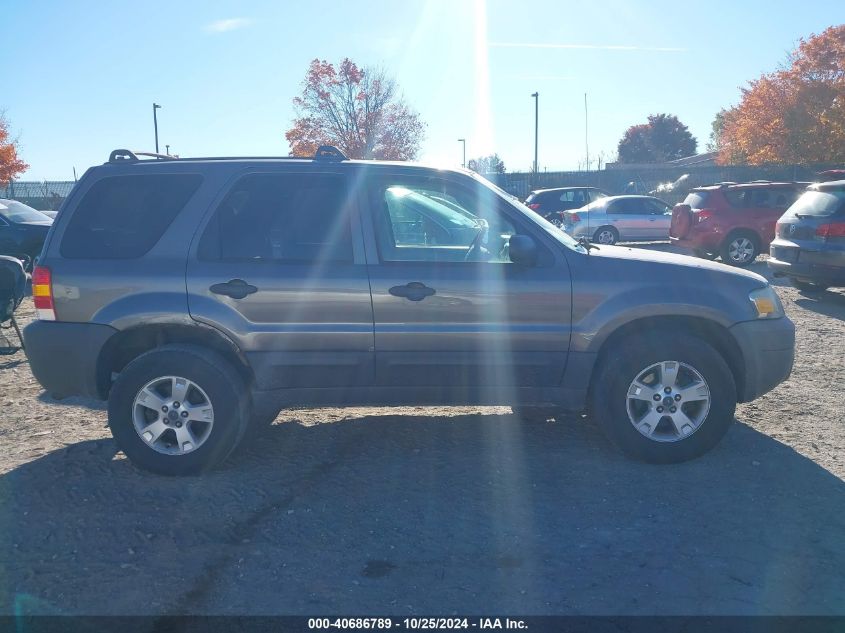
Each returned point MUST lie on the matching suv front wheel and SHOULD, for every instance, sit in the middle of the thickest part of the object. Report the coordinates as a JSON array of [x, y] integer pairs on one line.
[[178, 410], [664, 399]]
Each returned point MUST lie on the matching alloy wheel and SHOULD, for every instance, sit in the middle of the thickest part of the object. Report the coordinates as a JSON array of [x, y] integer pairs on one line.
[[668, 401], [172, 415]]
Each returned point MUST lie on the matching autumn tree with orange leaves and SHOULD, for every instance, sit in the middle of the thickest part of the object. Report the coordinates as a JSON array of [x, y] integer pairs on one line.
[[10, 164], [358, 110], [793, 115]]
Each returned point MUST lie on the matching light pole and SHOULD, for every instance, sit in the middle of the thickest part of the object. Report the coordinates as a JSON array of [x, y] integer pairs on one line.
[[155, 123], [167, 149], [536, 96], [464, 141]]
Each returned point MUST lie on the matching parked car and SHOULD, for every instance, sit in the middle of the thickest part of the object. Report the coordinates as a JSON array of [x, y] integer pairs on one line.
[[551, 203], [809, 246], [201, 296], [620, 218], [22, 229], [734, 221]]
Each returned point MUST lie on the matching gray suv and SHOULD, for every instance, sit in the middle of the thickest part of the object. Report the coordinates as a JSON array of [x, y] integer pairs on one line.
[[201, 296]]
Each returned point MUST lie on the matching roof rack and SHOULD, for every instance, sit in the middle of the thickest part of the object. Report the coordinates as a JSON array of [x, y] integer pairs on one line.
[[127, 155], [327, 153]]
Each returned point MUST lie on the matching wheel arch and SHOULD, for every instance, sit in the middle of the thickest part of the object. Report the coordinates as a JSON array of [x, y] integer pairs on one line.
[[711, 332], [125, 346]]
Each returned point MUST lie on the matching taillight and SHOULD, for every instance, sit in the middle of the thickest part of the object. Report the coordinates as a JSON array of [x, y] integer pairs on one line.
[[42, 293], [534, 206], [704, 214], [574, 218], [835, 229]]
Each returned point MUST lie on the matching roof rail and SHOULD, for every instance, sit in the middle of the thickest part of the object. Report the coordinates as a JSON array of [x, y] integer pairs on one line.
[[127, 155], [329, 153], [121, 155]]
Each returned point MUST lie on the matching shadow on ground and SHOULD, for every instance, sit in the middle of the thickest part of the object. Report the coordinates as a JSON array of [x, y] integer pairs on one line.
[[389, 514], [828, 303]]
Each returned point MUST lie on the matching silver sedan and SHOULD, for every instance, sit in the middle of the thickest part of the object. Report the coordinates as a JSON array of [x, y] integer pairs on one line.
[[620, 218]]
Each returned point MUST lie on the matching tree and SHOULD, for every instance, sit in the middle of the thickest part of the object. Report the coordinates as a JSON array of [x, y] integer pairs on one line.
[[10, 164], [356, 110], [662, 139], [491, 164], [795, 114]]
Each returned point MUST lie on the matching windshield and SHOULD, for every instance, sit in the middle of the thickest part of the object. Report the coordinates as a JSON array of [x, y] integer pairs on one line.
[[818, 203], [529, 215], [18, 212]]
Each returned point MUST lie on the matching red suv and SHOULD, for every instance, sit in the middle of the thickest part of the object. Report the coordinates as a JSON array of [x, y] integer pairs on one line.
[[736, 221]]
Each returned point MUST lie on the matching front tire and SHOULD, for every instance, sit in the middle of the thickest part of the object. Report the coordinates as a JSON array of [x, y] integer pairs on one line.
[[178, 410], [631, 404]]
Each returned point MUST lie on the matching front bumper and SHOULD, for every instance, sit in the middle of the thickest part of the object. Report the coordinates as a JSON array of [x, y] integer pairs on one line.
[[63, 356], [768, 350]]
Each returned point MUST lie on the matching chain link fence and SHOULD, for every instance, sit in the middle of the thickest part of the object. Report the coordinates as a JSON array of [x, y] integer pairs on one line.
[[46, 195]]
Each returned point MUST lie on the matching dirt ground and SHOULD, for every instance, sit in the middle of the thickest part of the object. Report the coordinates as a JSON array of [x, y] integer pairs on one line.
[[435, 510]]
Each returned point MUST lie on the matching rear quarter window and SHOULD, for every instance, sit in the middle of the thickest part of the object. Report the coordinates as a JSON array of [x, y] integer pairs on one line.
[[122, 217]]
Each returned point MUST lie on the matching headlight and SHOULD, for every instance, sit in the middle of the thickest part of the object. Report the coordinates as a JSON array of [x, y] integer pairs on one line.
[[766, 303]]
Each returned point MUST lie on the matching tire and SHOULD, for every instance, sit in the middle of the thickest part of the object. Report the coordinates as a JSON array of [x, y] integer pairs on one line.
[[808, 286], [609, 398], [209, 381], [537, 414], [740, 249], [606, 235], [705, 254]]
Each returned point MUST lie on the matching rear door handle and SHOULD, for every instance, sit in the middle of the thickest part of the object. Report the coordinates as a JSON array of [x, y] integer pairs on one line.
[[414, 291], [235, 288]]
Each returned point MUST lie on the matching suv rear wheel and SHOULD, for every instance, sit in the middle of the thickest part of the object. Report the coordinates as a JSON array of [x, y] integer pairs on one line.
[[740, 249], [178, 410], [664, 398]]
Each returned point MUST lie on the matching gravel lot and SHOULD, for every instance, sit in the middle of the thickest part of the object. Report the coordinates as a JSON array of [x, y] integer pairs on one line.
[[435, 510]]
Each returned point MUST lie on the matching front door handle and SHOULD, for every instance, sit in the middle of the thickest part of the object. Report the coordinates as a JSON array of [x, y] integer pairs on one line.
[[235, 288], [414, 291]]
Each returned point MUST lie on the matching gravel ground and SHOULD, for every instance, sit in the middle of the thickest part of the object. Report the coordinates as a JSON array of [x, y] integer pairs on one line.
[[435, 510]]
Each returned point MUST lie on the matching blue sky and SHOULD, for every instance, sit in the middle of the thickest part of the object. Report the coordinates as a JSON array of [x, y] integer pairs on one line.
[[79, 78]]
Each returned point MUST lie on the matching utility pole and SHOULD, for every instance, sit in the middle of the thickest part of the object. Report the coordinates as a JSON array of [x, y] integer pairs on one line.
[[586, 132], [536, 96], [464, 141], [167, 149], [155, 123]]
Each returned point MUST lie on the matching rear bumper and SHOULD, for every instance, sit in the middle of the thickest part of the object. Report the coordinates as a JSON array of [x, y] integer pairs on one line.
[[819, 265], [768, 350], [63, 356]]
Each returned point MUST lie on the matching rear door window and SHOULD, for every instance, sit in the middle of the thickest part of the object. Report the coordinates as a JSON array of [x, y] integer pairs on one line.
[[122, 217], [283, 218]]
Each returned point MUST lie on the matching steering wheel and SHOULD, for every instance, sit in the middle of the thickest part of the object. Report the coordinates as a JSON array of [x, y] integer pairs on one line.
[[476, 241]]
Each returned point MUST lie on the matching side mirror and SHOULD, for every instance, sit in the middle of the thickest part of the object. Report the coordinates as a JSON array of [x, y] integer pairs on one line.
[[523, 250]]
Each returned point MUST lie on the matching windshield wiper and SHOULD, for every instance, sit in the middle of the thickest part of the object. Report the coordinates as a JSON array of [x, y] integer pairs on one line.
[[587, 244]]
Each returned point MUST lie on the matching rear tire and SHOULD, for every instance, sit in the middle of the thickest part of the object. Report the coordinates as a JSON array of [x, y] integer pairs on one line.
[[808, 286], [740, 249], [606, 235], [663, 439], [136, 414]]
